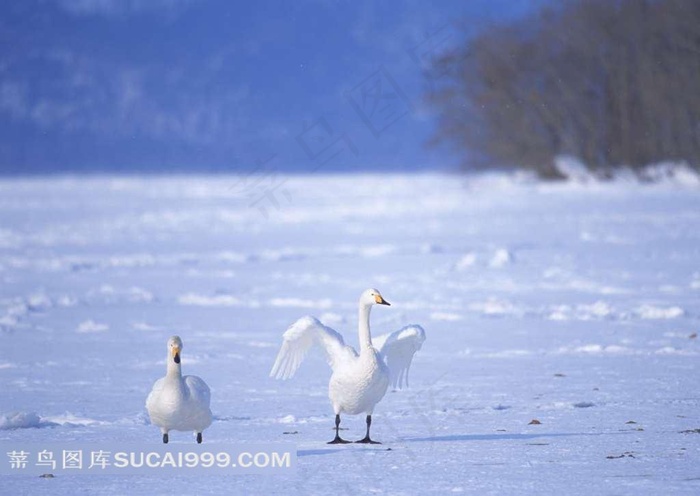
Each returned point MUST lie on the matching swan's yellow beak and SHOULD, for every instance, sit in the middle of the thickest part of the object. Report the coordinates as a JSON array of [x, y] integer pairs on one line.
[[176, 354], [381, 301]]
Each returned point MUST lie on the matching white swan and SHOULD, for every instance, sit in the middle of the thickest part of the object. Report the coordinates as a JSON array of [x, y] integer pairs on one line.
[[179, 403], [359, 381]]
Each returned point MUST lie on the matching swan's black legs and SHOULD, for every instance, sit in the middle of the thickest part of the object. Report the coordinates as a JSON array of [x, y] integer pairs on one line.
[[337, 439], [366, 439], [199, 438], [165, 438]]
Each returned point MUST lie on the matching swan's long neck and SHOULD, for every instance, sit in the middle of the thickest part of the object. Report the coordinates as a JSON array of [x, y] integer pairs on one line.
[[174, 369], [365, 336]]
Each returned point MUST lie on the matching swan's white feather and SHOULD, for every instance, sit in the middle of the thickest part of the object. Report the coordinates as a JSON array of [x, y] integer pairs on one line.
[[300, 337], [397, 349]]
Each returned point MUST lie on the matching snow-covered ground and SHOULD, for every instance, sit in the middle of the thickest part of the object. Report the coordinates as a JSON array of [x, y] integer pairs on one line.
[[575, 305]]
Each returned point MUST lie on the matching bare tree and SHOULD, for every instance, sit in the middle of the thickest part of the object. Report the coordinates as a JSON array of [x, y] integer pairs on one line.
[[613, 82]]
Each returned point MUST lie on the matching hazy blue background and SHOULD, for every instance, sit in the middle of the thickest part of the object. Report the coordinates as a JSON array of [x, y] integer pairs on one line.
[[174, 85]]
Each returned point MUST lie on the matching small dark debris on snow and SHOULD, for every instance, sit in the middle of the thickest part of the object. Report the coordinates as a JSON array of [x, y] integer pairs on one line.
[[630, 422], [389, 449], [691, 431], [559, 375], [534, 422], [596, 389], [46, 476], [693, 336], [290, 432], [626, 454], [583, 404], [501, 430]]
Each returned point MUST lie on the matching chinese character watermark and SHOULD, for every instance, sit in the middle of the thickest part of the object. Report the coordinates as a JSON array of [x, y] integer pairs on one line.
[[379, 101], [45, 459], [433, 44], [263, 187], [100, 459], [18, 459], [72, 459]]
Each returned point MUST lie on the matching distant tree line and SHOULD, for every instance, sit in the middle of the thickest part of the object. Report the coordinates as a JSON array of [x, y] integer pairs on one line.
[[612, 82]]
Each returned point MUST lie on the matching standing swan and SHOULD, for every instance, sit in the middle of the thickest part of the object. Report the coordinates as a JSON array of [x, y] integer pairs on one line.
[[176, 402], [359, 381]]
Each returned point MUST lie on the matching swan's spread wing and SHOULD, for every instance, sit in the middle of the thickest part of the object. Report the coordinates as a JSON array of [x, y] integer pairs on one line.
[[298, 339], [398, 349], [199, 390]]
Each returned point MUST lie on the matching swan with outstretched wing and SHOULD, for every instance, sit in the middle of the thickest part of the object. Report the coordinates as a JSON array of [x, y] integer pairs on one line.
[[359, 380]]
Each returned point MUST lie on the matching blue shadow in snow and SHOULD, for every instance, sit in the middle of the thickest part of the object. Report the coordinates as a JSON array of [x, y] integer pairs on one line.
[[504, 437], [314, 452]]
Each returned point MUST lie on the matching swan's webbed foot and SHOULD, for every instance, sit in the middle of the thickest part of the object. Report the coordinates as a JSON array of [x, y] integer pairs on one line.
[[165, 438], [367, 440], [338, 440], [199, 438]]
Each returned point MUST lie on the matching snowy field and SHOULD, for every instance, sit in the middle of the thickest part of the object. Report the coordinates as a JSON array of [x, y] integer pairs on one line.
[[574, 305]]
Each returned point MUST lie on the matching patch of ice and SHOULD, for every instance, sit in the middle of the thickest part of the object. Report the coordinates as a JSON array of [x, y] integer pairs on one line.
[[70, 420], [560, 312], [508, 354], [133, 294], [221, 300], [300, 303], [494, 307], [599, 310], [573, 169], [136, 260], [377, 251], [143, 326], [676, 173], [232, 257], [445, 316], [21, 420], [90, 325], [66, 301], [137, 294], [501, 258], [653, 312], [467, 260], [261, 344], [289, 419], [596, 349], [669, 350], [39, 302]]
